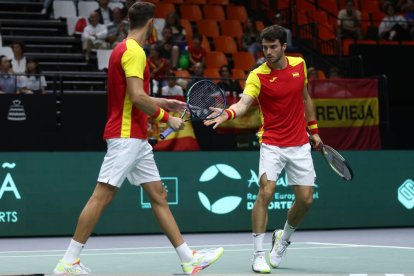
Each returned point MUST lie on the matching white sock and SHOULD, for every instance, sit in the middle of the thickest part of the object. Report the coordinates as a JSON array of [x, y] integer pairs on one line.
[[184, 252], [287, 232], [258, 239], [73, 251]]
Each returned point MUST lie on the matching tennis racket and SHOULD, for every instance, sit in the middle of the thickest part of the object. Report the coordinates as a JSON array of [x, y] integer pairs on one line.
[[337, 162], [200, 97]]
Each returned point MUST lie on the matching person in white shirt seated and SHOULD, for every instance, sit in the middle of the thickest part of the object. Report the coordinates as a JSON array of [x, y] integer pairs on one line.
[[172, 89], [18, 61], [33, 82], [94, 35]]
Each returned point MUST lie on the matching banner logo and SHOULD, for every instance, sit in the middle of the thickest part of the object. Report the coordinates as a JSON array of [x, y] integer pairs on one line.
[[16, 112], [8, 189], [406, 194], [225, 204]]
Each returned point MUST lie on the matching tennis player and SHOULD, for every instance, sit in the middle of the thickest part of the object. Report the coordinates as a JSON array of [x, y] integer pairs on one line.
[[280, 86], [129, 155]]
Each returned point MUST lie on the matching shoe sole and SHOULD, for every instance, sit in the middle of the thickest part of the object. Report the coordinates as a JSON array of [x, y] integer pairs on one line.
[[261, 272], [274, 238]]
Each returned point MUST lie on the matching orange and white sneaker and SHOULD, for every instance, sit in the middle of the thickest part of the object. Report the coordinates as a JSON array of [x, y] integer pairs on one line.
[[74, 268], [202, 259]]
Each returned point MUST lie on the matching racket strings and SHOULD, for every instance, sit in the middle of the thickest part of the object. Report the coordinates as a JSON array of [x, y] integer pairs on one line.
[[202, 97], [337, 162]]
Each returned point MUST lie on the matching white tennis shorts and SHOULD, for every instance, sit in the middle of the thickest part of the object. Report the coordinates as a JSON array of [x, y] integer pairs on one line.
[[128, 158], [297, 162]]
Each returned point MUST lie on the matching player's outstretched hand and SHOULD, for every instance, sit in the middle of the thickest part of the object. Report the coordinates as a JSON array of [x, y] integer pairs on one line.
[[175, 105], [176, 123], [216, 121]]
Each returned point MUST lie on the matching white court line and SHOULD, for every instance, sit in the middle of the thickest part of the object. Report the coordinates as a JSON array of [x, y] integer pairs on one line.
[[171, 251], [363, 245], [141, 248], [142, 253]]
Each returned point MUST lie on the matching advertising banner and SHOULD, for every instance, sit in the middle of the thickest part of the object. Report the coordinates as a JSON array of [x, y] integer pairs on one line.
[[347, 112], [42, 194]]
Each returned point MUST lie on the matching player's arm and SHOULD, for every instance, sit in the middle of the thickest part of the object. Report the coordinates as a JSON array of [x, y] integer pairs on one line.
[[311, 118], [237, 109], [137, 95], [170, 104]]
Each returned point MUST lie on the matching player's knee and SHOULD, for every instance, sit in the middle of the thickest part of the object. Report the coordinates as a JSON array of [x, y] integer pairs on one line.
[[305, 202], [159, 198], [266, 193]]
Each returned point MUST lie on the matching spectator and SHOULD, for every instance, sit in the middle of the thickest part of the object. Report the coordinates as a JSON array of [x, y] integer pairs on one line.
[[178, 32], [117, 29], [312, 73], [94, 35], [159, 66], [172, 89], [198, 74], [33, 82], [407, 8], [349, 22], [280, 20], [8, 81], [196, 52], [334, 73], [169, 49], [250, 38], [47, 5], [18, 62], [393, 26], [231, 87], [104, 12]]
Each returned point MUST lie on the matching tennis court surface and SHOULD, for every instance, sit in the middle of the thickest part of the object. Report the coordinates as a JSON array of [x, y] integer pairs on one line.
[[340, 252]]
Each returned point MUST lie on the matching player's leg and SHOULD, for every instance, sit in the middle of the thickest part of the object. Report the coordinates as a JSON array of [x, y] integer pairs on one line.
[[146, 174], [116, 165], [259, 223], [301, 176], [158, 198], [270, 166], [89, 217]]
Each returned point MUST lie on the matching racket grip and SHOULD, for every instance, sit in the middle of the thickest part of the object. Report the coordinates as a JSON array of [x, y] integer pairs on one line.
[[166, 132]]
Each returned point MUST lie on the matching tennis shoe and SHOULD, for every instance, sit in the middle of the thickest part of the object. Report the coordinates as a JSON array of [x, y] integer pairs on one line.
[[74, 268], [202, 259], [259, 263], [278, 250]]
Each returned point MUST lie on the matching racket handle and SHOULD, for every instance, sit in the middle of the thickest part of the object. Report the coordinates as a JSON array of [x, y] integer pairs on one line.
[[166, 132]]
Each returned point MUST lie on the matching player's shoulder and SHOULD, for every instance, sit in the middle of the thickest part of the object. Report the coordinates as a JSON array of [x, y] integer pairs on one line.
[[261, 69], [132, 45], [293, 61]]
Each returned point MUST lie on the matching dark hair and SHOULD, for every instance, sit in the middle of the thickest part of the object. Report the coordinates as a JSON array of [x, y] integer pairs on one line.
[[224, 66], [139, 14], [20, 43], [274, 32], [37, 70], [177, 22], [198, 36]]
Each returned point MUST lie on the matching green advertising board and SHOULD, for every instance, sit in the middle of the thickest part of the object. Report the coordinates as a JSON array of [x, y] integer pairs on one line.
[[42, 193]]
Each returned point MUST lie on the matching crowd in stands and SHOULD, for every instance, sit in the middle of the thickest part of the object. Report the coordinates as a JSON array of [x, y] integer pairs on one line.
[[395, 21], [171, 48], [20, 75]]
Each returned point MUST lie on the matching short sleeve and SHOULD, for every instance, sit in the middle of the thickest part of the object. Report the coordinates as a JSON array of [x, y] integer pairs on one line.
[[134, 61], [252, 87]]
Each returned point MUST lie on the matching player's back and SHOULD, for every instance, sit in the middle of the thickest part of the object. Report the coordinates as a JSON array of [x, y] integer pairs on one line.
[[124, 119]]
